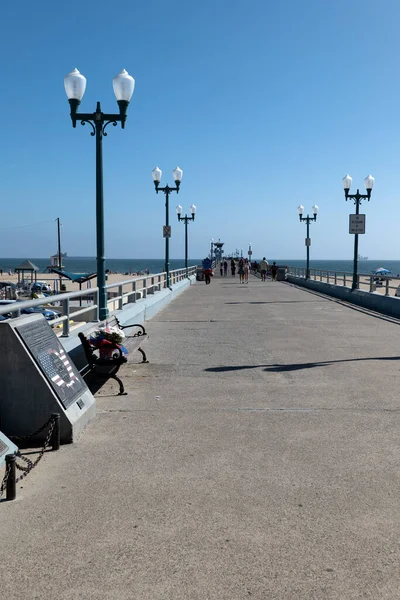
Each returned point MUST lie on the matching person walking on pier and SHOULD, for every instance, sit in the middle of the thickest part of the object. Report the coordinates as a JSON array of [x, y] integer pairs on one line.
[[233, 268], [221, 269], [225, 268], [264, 269], [274, 270], [246, 270], [241, 270]]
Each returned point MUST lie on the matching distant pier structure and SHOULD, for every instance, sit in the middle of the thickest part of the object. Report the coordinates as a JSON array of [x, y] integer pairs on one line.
[[218, 250]]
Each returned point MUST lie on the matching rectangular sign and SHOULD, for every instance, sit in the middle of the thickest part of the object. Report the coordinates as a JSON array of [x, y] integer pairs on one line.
[[357, 224], [54, 362], [167, 231], [6, 447], [308, 241]]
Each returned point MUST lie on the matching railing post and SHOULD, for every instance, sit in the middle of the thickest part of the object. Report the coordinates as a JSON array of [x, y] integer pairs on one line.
[[96, 301], [159, 283], [358, 282], [11, 488], [344, 279], [134, 290], [387, 288], [335, 278], [152, 285], [144, 287], [121, 299], [371, 283], [327, 277], [65, 306]]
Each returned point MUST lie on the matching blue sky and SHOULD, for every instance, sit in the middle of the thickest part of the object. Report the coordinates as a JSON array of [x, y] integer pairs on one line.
[[264, 105]]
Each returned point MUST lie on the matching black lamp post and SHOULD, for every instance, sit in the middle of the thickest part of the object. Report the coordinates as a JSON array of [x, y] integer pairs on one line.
[[308, 219], [177, 175], [75, 85], [186, 219], [369, 184]]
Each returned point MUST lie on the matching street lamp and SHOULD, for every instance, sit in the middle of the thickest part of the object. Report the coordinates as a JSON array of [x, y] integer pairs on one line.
[[212, 249], [75, 85], [369, 184], [308, 219], [177, 175], [186, 219]]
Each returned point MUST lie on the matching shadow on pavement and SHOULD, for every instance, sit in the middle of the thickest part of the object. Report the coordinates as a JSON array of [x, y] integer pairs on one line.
[[295, 366], [279, 302]]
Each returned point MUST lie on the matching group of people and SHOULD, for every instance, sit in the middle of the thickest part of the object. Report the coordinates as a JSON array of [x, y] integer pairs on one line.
[[243, 267], [264, 267]]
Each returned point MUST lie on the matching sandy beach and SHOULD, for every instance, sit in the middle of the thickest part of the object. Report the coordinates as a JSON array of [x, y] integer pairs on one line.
[[70, 285]]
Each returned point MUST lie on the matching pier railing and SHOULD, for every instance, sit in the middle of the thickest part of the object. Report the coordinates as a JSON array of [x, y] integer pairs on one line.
[[382, 284], [82, 306]]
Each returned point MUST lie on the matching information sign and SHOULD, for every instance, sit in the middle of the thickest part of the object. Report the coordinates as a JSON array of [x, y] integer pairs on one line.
[[357, 224], [54, 362], [167, 231]]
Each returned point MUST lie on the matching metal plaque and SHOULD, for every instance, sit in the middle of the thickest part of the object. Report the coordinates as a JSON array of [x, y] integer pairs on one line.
[[3, 447], [6, 447], [54, 362], [308, 241], [357, 224], [167, 231]]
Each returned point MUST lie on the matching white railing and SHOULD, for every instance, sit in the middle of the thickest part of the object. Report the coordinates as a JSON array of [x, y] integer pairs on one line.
[[119, 294], [367, 282]]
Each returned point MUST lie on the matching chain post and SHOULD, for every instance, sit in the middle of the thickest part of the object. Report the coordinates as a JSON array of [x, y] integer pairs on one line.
[[56, 434], [65, 305], [134, 290], [11, 488]]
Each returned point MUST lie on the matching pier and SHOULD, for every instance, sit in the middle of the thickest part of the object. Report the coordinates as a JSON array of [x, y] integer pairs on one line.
[[256, 456]]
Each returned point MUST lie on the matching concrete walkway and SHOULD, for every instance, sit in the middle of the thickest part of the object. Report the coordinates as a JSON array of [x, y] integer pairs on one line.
[[256, 456]]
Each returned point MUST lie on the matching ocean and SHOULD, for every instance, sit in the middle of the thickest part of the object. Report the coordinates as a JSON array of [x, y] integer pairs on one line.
[[85, 264]]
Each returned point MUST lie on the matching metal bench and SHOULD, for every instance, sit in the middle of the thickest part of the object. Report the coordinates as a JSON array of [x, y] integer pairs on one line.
[[107, 368]]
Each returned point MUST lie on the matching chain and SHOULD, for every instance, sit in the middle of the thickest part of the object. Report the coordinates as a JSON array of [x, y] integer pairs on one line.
[[32, 464], [35, 433], [4, 482]]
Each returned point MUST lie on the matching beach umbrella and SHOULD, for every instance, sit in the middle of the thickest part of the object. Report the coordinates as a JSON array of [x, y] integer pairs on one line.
[[381, 271]]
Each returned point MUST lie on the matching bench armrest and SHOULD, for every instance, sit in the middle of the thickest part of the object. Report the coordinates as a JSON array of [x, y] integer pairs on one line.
[[139, 333]]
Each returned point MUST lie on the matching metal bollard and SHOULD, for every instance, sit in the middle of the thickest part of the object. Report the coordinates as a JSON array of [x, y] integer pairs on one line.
[[65, 305], [11, 489], [387, 288], [121, 297], [56, 435]]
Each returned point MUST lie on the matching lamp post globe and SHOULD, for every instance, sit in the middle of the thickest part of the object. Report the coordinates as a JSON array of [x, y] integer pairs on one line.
[[186, 220], [307, 220], [177, 175], [357, 197], [75, 86]]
